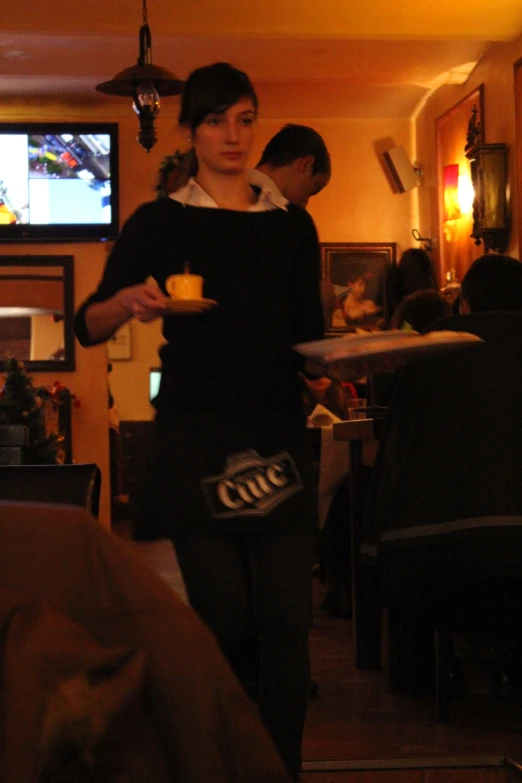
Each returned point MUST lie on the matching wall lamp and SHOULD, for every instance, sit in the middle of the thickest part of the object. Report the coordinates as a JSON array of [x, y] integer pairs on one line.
[[458, 197], [144, 83], [452, 209]]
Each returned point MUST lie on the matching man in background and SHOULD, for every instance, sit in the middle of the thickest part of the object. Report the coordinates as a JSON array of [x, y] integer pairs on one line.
[[295, 163]]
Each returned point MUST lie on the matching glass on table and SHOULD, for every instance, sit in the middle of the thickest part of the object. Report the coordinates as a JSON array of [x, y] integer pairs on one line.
[[356, 408]]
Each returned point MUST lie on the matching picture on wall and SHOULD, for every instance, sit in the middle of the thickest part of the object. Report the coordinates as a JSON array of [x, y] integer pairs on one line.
[[119, 345], [359, 272]]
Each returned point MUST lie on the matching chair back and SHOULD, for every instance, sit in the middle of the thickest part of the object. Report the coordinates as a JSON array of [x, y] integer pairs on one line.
[[445, 500], [74, 485]]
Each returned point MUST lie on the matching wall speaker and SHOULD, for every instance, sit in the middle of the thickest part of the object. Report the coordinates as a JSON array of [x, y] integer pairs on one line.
[[401, 170]]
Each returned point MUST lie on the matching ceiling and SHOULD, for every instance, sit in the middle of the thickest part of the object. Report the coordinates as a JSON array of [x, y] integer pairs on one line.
[[371, 58]]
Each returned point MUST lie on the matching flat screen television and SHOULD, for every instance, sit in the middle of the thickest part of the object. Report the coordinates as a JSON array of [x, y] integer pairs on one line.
[[58, 181]]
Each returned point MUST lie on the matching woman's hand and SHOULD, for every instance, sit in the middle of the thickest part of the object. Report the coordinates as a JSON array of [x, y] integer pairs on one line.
[[145, 302]]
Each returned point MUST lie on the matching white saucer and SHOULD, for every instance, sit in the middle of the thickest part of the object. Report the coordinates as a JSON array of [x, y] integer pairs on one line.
[[188, 306]]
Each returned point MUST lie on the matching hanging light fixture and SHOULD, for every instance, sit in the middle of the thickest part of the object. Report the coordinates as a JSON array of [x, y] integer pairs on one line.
[[145, 83]]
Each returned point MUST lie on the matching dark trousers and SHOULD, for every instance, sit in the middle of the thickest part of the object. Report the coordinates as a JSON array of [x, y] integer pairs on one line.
[[236, 581]]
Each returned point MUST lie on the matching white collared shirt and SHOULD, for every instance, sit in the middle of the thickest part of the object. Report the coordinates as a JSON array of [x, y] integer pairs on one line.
[[270, 197], [262, 180]]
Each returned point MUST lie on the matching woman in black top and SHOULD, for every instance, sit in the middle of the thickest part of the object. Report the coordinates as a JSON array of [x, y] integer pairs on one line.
[[232, 480]]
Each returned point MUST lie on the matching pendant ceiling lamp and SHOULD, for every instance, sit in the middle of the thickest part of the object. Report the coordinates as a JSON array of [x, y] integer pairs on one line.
[[145, 83]]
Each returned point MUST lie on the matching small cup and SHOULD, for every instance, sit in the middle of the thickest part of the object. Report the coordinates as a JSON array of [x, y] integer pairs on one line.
[[355, 408], [185, 286]]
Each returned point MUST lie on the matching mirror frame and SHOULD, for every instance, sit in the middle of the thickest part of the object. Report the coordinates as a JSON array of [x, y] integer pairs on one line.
[[67, 265]]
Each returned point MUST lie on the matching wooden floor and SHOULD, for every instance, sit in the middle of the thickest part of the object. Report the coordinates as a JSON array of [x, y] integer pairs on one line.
[[358, 732]]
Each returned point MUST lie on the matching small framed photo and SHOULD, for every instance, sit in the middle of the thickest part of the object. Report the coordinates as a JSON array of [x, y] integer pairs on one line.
[[119, 345], [359, 272]]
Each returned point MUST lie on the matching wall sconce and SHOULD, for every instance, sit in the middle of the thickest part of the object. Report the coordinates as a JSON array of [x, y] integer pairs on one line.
[[458, 193], [451, 192], [145, 83], [458, 197], [489, 175]]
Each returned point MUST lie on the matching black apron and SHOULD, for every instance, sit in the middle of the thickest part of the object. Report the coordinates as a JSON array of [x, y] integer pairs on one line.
[[229, 472]]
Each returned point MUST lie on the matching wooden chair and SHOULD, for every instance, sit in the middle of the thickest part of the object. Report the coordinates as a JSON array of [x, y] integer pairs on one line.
[[75, 485]]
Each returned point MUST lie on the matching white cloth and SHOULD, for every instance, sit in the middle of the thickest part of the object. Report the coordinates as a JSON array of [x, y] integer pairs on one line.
[[192, 194], [335, 459], [263, 181]]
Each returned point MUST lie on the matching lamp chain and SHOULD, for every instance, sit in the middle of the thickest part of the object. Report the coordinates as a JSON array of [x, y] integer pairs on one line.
[[144, 12]]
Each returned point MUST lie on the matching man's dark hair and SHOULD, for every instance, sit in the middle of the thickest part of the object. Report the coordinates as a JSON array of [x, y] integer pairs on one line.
[[293, 142], [493, 282]]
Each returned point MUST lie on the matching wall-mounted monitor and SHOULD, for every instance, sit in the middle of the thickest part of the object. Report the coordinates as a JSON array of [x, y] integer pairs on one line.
[[58, 181]]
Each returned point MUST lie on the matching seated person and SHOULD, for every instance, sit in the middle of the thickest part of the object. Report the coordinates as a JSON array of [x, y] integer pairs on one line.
[[418, 310], [492, 283], [445, 498], [414, 272], [328, 392]]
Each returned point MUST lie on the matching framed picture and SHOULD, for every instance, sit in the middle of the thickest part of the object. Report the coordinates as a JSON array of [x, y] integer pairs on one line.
[[359, 272], [119, 345]]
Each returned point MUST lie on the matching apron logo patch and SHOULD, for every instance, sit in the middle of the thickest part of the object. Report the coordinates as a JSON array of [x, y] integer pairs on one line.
[[251, 485]]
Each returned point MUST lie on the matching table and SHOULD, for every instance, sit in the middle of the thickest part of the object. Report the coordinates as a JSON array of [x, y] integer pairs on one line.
[[363, 436]]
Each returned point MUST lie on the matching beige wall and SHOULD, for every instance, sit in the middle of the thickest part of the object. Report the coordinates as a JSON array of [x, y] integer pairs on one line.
[[347, 211], [495, 72]]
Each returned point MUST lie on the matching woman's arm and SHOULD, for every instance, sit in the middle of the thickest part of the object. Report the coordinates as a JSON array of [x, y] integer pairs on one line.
[[144, 302], [123, 292]]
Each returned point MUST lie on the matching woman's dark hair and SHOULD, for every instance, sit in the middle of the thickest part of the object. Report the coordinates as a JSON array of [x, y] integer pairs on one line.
[[415, 272], [213, 89]]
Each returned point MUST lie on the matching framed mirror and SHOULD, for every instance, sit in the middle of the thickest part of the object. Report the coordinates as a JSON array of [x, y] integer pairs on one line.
[[37, 310]]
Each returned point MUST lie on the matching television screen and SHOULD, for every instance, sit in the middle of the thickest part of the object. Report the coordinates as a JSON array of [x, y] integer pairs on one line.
[[58, 181]]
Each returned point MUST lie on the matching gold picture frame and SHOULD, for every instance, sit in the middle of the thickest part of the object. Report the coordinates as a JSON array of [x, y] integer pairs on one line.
[[360, 274]]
